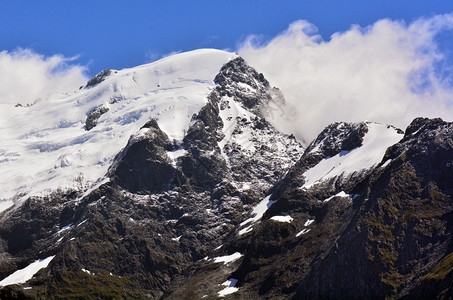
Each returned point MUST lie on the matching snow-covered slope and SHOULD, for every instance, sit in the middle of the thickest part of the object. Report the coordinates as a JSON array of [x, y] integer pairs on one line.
[[47, 145], [346, 163]]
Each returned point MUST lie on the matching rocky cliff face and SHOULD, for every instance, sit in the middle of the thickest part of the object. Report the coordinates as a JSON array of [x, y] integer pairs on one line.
[[400, 228], [386, 233], [236, 209]]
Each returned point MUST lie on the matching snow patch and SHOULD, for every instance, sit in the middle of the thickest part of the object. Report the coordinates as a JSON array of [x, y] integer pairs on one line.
[[228, 258], [303, 231], [308, 222], [387, 162], [258, 212], [230, 287], [285, 219], [174, 155], [81, 223], [25, 274], [177, 238], [230, 115], [245, 186], [65, 228], [88, 272], [62, 230], [341, 194]]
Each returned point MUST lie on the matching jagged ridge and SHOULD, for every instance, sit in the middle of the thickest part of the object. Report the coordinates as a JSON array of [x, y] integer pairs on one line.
[[224, 203]]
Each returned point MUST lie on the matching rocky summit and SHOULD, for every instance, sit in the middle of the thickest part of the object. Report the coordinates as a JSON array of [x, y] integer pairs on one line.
[[168, 181]]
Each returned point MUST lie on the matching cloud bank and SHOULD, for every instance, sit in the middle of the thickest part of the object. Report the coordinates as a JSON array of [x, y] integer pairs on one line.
[[27, 76], [389, 72]]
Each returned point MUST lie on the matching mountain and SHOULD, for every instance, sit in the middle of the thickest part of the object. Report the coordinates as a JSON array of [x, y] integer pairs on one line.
[[168, 181], [383, 231]]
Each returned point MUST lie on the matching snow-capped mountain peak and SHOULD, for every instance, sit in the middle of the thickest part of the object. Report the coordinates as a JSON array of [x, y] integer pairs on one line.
[[50, 144]]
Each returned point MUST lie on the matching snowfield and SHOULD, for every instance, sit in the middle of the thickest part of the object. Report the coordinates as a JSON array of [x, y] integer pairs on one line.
[[45, 145]]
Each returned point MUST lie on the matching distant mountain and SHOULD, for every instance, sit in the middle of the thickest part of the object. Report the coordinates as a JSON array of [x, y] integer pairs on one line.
[[167, 181]]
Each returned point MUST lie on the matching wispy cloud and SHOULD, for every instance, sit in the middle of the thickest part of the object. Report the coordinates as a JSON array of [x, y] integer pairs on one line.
[[387, 72], [27, 76], [152, 56]]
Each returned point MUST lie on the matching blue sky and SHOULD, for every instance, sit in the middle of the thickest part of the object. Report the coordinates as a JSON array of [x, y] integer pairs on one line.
[[118, 34]]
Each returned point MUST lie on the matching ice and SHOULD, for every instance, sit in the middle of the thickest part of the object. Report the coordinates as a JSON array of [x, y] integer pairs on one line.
[[25, 274], [230, 287], [228, 258], [285, 219], [375, 143], [45, 146]]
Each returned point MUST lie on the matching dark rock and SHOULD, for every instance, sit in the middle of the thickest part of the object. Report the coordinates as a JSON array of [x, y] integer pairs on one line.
[[238, 72], [93, 116], [100, 77], [402, 230], [338, 137], [144, 166]]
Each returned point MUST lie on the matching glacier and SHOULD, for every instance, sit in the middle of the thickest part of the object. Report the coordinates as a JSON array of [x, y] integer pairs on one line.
[[47, 147]]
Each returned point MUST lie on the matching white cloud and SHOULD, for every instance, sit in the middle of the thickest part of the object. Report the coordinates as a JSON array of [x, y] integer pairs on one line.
[[27, 76], [385, 72]]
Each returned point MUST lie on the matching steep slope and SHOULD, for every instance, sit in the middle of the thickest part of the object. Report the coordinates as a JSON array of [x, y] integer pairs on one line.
[[402, 231], [383, 232], [171, 194], [301, 223]]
